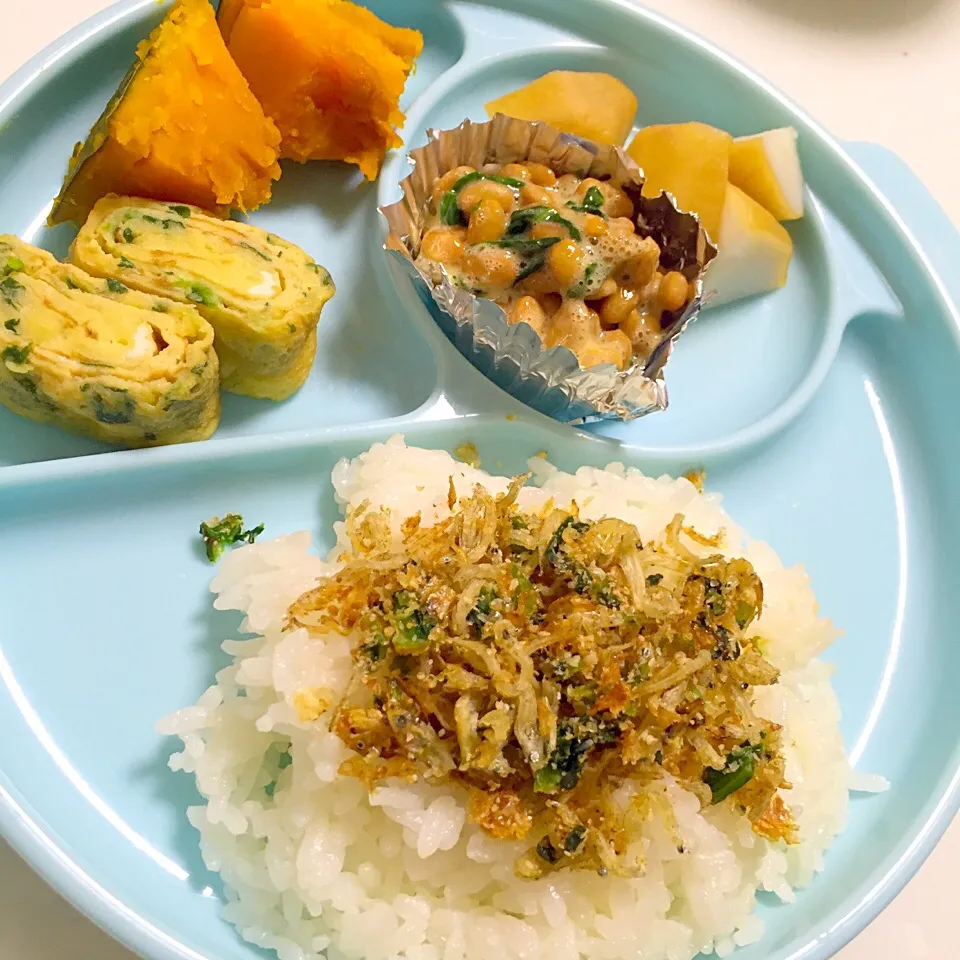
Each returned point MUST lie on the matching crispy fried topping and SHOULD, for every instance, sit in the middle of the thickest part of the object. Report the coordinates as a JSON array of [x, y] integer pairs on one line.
[[542, 662]]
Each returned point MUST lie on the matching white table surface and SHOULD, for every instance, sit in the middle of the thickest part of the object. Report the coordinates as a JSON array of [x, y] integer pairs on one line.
[[887, 71]]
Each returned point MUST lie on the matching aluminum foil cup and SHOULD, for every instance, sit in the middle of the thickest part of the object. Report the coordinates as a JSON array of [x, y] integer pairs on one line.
[[512, 355]]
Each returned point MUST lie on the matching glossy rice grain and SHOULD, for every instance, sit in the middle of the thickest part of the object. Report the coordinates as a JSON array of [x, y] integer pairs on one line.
[[262, 295], [96, 358], [314, 865]]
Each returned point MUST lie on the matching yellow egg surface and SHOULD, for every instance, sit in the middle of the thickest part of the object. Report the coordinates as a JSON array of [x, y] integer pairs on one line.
[[262, 295], [97, 358]]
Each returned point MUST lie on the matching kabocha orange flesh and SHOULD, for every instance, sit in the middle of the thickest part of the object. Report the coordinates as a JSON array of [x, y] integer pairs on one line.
[[329, 73], [183, 126], [227, 14]]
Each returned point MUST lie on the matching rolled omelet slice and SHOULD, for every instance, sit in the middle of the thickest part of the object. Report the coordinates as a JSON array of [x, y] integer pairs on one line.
[[94, 357], [262, 295]]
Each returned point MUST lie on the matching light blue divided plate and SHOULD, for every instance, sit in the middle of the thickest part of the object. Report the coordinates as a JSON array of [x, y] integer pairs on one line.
[[824, 413]]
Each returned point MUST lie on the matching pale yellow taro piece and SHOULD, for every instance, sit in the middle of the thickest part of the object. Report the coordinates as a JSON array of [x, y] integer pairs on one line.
[[766, 167], [96, 358], [262, 294], [754, 251], [595, 106], [690, 161]]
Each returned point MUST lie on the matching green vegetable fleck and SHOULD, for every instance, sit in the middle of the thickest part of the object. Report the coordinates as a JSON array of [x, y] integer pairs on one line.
[[547, 780], [15, 354], [200, 293], [566, 667], [584, 693], [260, 253], [180, 209], [532, 253], [574, 838], [524, 246], [592, 203], [119, 409], [166, 223], [736, 773], [522, 220], [579, 289], [13, 264], [69, 284], [376, 649], [412, 625], [219, 534], [496, 178], [554, 553], [449, 211], [576, 738], [128, 235], [479, 615], [115, 286], [12, 324], [127, 264], [745, 613], [9, 290], [28, 383], [602, 591]]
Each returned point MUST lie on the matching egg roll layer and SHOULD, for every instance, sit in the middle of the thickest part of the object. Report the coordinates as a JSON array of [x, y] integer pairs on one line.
[[262, 295], [94, 357]]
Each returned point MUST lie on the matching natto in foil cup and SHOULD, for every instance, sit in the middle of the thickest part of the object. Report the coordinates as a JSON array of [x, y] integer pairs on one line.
[[512, 355]]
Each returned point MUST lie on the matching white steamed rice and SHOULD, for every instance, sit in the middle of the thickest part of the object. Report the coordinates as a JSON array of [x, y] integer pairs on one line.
[[321, 867]]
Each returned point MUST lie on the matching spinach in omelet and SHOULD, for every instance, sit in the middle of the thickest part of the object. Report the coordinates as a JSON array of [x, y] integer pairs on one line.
[[80, 352], [262, 295]]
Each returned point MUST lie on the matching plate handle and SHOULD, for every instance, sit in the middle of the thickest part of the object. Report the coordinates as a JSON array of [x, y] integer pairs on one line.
[[929, 223]]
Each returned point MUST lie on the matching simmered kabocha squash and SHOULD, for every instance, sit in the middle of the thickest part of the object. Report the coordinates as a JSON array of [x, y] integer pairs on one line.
[[183, 126], [97, 358], [262, 294], [329, 73]]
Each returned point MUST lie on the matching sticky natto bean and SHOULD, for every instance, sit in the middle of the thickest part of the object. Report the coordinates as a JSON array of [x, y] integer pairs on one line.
[[674, 291], [443, 244], [446, 182], [488, 220], [479, 190], [613, 311], [541, 175]]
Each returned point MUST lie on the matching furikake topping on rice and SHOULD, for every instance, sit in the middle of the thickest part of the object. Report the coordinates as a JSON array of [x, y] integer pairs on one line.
[[543, 663]]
